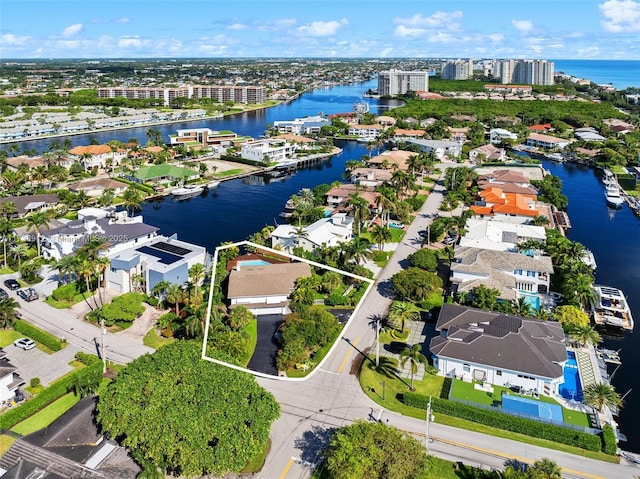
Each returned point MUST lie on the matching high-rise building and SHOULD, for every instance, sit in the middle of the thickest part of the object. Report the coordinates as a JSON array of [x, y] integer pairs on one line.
[[457, 70], [396, 82], [219, 93], [528, 72]]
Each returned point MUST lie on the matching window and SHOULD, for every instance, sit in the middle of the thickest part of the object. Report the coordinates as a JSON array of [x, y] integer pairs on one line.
[[498, 373], [466, 368]]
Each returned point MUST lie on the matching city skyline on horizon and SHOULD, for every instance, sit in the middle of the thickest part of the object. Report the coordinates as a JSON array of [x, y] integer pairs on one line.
[[565, 29]]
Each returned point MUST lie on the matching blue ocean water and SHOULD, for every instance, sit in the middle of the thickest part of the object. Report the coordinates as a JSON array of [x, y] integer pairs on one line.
[[620, 73]]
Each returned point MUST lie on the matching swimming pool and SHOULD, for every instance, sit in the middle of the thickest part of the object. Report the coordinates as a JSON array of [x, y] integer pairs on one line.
[[571, 388], [253, 262], [531, 299]]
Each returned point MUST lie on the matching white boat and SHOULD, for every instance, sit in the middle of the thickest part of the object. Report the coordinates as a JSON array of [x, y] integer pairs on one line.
[[610, 308], [555, 157], [613, 196], [213, 184], [187, 191], [589, 259]]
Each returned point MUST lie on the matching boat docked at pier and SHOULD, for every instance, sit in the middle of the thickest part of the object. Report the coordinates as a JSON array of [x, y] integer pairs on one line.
[[610, 308], [559, 157], [188, 191], [213, 184], [613, 197]]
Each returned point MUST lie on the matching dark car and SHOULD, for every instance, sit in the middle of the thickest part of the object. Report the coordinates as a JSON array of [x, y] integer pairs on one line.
[[12, 284], [3, 294], [28, 294]]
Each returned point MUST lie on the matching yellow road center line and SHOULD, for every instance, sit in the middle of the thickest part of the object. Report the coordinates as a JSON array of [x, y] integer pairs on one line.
[[286, 469], [348, 355], [516, 458]]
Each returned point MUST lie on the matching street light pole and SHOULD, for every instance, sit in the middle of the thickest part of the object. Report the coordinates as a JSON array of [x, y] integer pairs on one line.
[[104, 358], [377, 342], [428, 419]]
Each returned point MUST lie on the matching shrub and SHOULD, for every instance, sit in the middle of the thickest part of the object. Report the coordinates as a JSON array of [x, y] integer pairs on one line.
[[416, 202], [151, 301], [494, 418], [609, 442], [336, 298], [66, 292], [37, 334], [124, 308], [425, 259], [34, 382], [86, 358]]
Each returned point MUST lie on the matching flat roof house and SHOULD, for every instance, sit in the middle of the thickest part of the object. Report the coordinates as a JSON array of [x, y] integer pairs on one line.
[[330, 231], [439, 148], [499, 349], [265, 289], [546, 141]]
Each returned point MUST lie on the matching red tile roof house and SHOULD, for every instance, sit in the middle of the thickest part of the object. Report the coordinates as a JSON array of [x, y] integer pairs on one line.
[[265, 289]]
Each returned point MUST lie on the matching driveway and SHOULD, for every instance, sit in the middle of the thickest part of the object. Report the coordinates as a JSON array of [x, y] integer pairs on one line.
[[264, 356], [38, 364]]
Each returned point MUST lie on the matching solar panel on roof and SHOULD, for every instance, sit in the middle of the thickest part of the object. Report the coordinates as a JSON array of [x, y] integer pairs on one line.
[[171, 248], [509, 237]]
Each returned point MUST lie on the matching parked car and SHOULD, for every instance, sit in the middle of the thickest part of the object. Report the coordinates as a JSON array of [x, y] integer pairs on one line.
[[28, 294], [3, 294], [24, 343], [12, 284]]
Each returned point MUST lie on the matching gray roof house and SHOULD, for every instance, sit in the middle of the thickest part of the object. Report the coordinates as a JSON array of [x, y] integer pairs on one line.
[[503, 270], [499, 349], [29, 203]]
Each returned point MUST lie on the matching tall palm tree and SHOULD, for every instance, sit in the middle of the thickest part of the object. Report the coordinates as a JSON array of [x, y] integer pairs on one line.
[[19, 251], [381, 234], [357, 250], [601, 395], [35, 222], [66, 267], [6, 232], [360, 209], [132, 199], [7, 312], [299, 233], [159, 289], [196, 275], [585, 335], [175, 296], [402, 311], [414, 357], [84, 271]]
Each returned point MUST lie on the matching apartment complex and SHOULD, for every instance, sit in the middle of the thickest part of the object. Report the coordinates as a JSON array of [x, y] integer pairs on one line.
[[457, 70], [528, 72], [396, 82], [219, 93]]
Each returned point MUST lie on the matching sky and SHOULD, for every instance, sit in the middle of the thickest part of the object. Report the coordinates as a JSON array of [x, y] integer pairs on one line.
[[554, 29]]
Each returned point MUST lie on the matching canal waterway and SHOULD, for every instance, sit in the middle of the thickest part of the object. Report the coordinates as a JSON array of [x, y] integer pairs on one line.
[[238, 208]]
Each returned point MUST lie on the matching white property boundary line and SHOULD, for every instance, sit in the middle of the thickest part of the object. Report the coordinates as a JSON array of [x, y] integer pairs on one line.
[[297, 258]]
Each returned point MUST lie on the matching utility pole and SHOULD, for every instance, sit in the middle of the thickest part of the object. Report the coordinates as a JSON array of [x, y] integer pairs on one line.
[[104, 333], [429, 418], [377, 342]]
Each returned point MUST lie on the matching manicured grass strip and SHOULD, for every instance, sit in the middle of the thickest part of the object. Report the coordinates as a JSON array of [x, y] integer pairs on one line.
[[8, 336], [227, 173], [5, 443], [63, 304], [153, 340], [47, 415], [252, 330]]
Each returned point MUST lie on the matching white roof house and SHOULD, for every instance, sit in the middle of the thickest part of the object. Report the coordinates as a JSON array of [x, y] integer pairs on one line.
[[499, 236], [268, 151], [496, 135], [301, 126], [327, 231], [439, 148]]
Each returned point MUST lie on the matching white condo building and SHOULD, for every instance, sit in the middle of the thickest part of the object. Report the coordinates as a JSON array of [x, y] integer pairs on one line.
[[457, 70], [529, 72], [397, 82]]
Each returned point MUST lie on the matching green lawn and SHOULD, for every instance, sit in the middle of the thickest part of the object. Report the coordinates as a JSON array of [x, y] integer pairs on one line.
[[8, 336], [47, 415], [227, 173], [6, 270], [5, 443], [252, 331], [465, 391], [371, 382], [62, 304], [154, 340]]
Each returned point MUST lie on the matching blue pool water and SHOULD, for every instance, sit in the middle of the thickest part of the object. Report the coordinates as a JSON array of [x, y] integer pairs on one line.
[[572, 387], [531, 299], [253, 262], [531, 407]]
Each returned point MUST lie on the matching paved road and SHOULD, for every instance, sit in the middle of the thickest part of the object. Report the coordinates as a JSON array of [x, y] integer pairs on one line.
[[332, 397]]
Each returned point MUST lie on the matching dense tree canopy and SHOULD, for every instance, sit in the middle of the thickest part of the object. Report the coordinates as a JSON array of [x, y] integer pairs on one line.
[[425, 259], [373, 450], [185, 415], [570, 316], [415, 284]]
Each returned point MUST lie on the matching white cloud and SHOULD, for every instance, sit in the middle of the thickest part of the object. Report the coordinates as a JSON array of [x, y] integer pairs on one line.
[[575, 35], [130, 42], [496, 37], [386, 52], [523, 26], [9, 39], [439, 20], [71, 30], [238, 26], [404, 32], [123, 20], [322, 29], [589, 52], [620, 16]]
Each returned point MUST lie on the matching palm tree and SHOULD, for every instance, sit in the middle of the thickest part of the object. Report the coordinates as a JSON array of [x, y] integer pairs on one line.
[[196, 275], [414, 356], [19, 251], [546, 469], [8, 312], [6, 231], [175, 296], [402, 311], [66, 267], [132, 199], [35, 222], [357, 250], [601, 395], [522, 308], [585, 335], [160, 288], [381, 234], [360, 209], [300, 233], [84, 270]]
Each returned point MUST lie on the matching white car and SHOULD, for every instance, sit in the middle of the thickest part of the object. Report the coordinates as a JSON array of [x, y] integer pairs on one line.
[[24, 343]]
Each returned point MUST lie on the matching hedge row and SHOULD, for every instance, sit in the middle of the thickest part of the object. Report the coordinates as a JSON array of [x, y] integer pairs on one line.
[[244, 161], [87, 359], [507, 422], [609, 441], [141, 186], [47, 396], [37, 334]]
